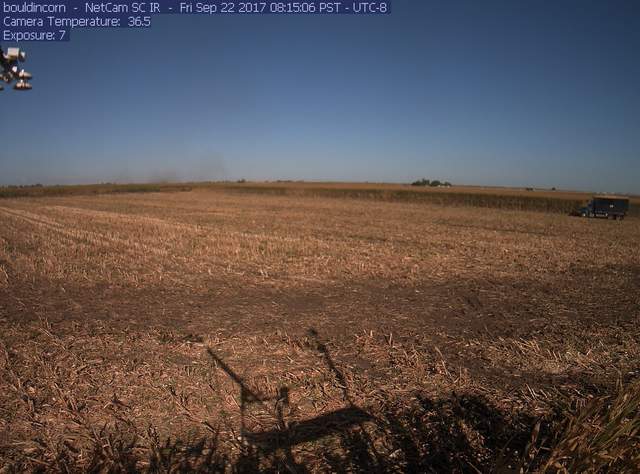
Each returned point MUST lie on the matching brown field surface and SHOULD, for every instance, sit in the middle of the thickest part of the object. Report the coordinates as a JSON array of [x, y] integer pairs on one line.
[[217, 330]]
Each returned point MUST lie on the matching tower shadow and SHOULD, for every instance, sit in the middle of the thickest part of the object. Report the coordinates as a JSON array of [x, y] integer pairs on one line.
[[278, 444]]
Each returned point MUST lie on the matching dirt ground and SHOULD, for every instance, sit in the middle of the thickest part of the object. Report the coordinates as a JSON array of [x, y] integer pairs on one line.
[[210, 330]]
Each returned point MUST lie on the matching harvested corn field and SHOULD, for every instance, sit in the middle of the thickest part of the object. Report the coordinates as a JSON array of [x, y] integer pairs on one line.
[[218, 330]]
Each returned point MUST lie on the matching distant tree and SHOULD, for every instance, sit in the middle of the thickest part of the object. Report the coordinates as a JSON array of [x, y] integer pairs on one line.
[[241, 181], [447, 184], [435, 183], [421, 182]]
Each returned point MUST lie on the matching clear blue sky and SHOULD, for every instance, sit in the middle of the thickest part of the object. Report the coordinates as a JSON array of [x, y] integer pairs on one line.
[[523, 93]]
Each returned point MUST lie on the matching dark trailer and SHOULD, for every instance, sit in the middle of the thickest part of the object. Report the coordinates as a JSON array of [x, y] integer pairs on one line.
[[611, 207]]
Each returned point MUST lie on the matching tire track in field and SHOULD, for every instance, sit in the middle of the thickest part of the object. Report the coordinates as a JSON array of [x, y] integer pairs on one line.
[[75, 234], [231, 247], [216, 247], [131, 246], [109, 217]]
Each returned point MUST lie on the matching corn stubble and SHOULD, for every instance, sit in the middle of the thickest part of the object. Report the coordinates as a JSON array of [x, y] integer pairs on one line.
[[218, 330]]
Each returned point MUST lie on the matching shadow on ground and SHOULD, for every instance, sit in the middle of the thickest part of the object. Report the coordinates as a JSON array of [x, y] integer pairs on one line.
[[460, 433]]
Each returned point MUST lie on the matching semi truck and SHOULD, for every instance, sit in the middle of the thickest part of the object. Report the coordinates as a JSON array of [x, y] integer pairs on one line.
[[610, 207]]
